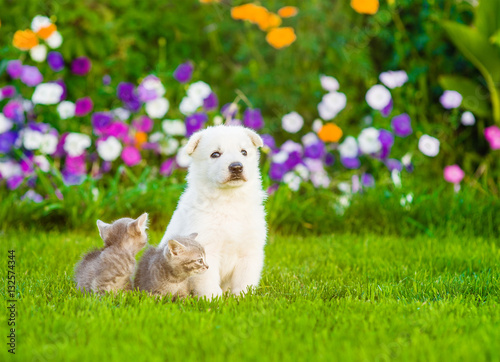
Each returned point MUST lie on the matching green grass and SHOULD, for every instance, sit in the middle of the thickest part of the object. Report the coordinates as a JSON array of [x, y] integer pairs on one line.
[[338, 297]]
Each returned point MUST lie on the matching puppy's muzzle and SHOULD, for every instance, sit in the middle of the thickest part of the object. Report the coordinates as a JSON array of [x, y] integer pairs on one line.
[[236, 168]]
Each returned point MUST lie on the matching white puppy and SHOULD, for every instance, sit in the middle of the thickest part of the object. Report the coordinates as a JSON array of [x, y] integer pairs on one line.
[[223, 203]]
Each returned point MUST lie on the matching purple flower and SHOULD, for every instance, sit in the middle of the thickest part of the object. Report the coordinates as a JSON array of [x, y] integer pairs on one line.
[[294, 158], [81, 66], [7, 141], [147, 94], [227, 111], [8, 91], [125, 91], [167, 167], [252, 118], [106, 79], [195, 122], [272, 189], [268, 141], [14, 111], [402, 125], [15, 69], [72, 179], [315, 150], [184, 72], [367, 180], [393, 164], [277, 171], [116, 129], [387, 140], [55, 61], [14, 182], [31, 76], [32, 196], [63, 86], [100, 121], [211, 102], [143, 124], [83, 106], [76, 165], [27, 166], [131, 156], [329, 159], [350, 162], [387, 109]]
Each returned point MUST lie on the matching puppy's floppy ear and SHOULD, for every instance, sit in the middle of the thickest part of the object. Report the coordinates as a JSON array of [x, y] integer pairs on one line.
[[103, 229], [256, 139], [192, 143], [139, 225], [175, 247]]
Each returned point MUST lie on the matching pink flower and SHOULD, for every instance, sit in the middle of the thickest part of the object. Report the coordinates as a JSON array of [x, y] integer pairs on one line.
[[83, 106], [131, 156], [492, 135], [167, 167], [453, 174]]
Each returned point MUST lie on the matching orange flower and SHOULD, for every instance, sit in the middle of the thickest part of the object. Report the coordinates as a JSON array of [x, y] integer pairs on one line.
[[249, 12], [24, 39], [281, 37], [46, 32], [140, 138], [271, 20], [209, 1], [330, 132], [288, 11], [365, 6]]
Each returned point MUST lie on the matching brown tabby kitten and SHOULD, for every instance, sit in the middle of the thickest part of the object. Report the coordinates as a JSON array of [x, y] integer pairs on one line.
[[165, 271], [110, 268]]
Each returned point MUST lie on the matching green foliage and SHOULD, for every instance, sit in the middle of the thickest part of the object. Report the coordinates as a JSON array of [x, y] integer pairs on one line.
[[471, 91]]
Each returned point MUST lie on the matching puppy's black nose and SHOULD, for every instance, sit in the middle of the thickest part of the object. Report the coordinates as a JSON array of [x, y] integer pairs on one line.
[[236, 167]]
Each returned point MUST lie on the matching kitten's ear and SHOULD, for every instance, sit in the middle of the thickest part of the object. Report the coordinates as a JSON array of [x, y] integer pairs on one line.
[[193, 143], [139, 225], [255, 138], [175, 247], [193, 235], [103, 229]]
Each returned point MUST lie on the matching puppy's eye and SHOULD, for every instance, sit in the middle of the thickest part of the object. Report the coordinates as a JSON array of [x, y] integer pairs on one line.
[[199, 261], [243, 152], [215, 155]]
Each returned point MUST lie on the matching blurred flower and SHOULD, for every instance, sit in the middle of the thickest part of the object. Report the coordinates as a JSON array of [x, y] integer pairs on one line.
[[150, 89], [401, 125], [55, 61], [157, 108], [387, 109], [49, 144], [32, 139], [277, 171], [14, 182], [5, 124], [292, 180], [451, 99], [55, 40], [492, 135], [288, 11], [47, 93], [292, 122], [268, 21], [189, 105], [468, 119], [315, 150], [328, 83], [174, 127], [348, 148], [14, 69], [184, 72], [368, 140], [386, 140], [453, 174], [143, 124], [66, 109], [8, 91], [229, 110], [218, 120], [294, 158], [106, 79], [428, 145], [281, 37], [100, 121], [121, 113], [199, 91], [252, 118], [195, 122], [131, 156], [14, 111], [396, 178], [394, 79], [116, 129], [211, 102], [268, 141], [25, 39], [125, 91], [330, 132], [309, 139], [367, 180], [76, 144], [169, 146], [109, 149], [38, 53], [31, 195], [81, 66], [83, 106], [393, 164], [365, 6], [31, 76], [331, 104], [378, 97], [350, 163], [167, 167], [317, 125], [39, 22], [63, 86]]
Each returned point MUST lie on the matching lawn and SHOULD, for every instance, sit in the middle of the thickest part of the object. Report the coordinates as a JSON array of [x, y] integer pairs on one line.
[[338, 297]]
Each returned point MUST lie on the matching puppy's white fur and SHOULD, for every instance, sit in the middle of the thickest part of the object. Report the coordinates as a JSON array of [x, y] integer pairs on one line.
[[228, 215]]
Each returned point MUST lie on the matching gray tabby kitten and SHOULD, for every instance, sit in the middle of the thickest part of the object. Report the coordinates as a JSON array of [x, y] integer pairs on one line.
[[165, 271], [110, 268]]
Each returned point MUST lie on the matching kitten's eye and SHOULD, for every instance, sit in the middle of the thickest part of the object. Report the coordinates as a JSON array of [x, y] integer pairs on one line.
[[243, 152], [215, 155]]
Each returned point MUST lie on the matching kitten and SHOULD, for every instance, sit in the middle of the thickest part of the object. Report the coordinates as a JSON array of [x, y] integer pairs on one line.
[[165, 271], [110, 268]]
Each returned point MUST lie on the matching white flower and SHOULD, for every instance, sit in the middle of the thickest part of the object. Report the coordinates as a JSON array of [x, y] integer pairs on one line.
[[42, 163], [169, 147], [368, 140], [406, 160], [348, 148], [48, 144], [55, 40], [302, 171], [156, 137], [189, 105], [428, 145], [218, 120], [66, 109], [396, 178], [290, 146], [378, 97], [27, 105], [468, 119], [121, 113], [292, 122], [32, 139], [5, 124], [40, 22], [451, 99], [47, 93], [157, 108], [9, 169], [331, 104], [280, 157], [309, 139], [345, 187], [38, 53], [329, 84], [292, 180], [153, 83], [76, 143], [394, 79], [183, 159], [109, 149], [314, 165], [174, 127], [198, 91], [320, 179], [317, 125]]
